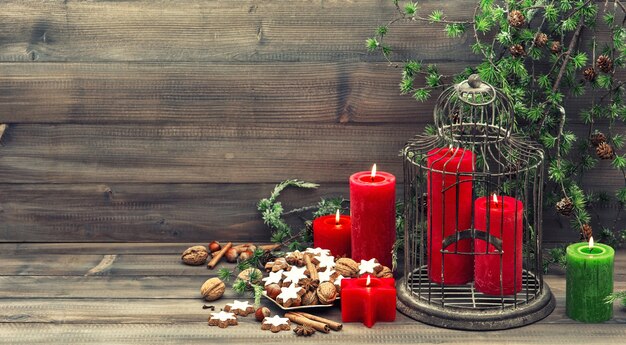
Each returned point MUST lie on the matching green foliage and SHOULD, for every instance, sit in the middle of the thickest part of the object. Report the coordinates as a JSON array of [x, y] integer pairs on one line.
[[224, 274], [620, 295], [540, 82]]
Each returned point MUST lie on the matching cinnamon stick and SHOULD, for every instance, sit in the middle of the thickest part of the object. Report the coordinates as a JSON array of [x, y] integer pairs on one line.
[[311, 268], [218, 255], [301, 320], [335, 326]]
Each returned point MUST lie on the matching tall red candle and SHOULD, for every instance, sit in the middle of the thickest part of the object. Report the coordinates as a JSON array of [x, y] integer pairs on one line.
[[333, 233], [368, 300], [448, 214], [505, 223], [373, 213]]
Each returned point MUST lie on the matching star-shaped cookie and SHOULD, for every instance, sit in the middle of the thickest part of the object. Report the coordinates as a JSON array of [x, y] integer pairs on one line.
[[290, 295], [369, 266], [294, 275], [325, 275], [242, 308], [274, 277], [318, 251], [222, 319], [326, 261], [276, 324]]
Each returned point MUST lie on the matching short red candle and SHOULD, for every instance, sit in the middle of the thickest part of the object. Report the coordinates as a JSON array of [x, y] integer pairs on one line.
[[505, 223], [373, 212], [447, 215], [365, 303], [332, 232]]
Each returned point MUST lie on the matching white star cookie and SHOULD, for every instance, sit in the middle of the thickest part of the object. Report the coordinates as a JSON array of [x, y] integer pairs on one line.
[[325, 276], [318, 251], [242, 308], [290, 295], [276, 324], [222, 319], [338, 280], [274, 277], [326, 261], [368, 266], [294, 275]]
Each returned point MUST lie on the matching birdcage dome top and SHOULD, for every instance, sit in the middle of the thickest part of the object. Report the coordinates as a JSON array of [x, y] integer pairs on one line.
[[473, 111]]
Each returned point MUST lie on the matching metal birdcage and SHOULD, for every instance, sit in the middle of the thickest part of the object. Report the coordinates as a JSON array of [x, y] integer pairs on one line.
[[473, 201]]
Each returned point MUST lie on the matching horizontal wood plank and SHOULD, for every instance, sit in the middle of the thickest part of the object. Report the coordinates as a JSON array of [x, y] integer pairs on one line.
[[238, 30]]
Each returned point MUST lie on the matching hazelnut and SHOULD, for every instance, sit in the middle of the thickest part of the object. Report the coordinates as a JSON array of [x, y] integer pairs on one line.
[[195, 255], [243, 247], [231, 255], [347, 267], [261, 313], [212, 289], [251, 275], [327, 293], [246, 255], [214, 246], [272, 290]]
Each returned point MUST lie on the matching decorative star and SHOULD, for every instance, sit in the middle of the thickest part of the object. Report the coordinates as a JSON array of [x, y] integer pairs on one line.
[[318, 251], [274, 277], [295, 252], [241, 305], [326, 261], [276, 320], [223, 316], [289, 292], [338, 280], [295, 274], [367, 266], [325, 276]]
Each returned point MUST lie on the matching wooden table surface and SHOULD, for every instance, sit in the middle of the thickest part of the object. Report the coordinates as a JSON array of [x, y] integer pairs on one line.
[[128, 293]]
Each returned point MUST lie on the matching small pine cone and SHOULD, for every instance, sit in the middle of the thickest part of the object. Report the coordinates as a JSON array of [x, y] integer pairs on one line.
[[597, 138], [541, 39], [555, 47], [605, 63], [517, 50], [516, 19], [565, 206], [590, 74], [586, 232], [604, 151]]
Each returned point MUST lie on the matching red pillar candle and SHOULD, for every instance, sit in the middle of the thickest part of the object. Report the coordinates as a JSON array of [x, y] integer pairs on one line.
[[448, 214], [505, 223], [373, 213], [368, 300], [333, 233]]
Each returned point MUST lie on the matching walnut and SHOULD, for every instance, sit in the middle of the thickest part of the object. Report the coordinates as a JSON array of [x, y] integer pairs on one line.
[[310, 298], [347, 267], [327, 293], [195, 255], [212, 289], [251, 275], [385, 273]]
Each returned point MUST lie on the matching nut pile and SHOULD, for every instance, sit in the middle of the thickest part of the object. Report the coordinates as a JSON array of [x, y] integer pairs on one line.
[[313, 277]]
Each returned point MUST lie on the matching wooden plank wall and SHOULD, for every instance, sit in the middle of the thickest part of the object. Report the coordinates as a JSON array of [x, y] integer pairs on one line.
[[167, 120]]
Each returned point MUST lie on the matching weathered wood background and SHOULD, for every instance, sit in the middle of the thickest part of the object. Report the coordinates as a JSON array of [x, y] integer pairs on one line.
[[167, 120]]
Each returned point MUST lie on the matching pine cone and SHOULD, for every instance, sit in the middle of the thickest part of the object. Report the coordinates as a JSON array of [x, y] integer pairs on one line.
[[590, 74], [604, 151], [517, 50], [555, 47], [597, 138], [565, 206], [605, 64], [516, 19], [541, 39], [586, 232]]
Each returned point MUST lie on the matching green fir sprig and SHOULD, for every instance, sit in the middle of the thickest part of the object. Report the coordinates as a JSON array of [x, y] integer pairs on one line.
[[621, 295]]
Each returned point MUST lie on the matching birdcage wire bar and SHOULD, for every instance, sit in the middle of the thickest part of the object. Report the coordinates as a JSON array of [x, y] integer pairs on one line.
[[473, 155]]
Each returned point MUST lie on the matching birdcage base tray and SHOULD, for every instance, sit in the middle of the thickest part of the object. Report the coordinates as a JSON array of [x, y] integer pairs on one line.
[[475, 319]]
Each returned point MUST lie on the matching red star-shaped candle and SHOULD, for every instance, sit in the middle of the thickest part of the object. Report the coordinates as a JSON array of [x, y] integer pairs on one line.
[[368, 300]]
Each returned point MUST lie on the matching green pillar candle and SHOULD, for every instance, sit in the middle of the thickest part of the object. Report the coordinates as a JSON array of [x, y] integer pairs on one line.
[[589, 282]]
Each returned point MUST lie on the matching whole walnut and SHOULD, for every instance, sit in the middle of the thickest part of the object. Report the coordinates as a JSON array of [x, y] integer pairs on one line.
[[212, 289], [310, 298], [385, 273], [347, 267], [327, 293], [195, 255], [253, 275]]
